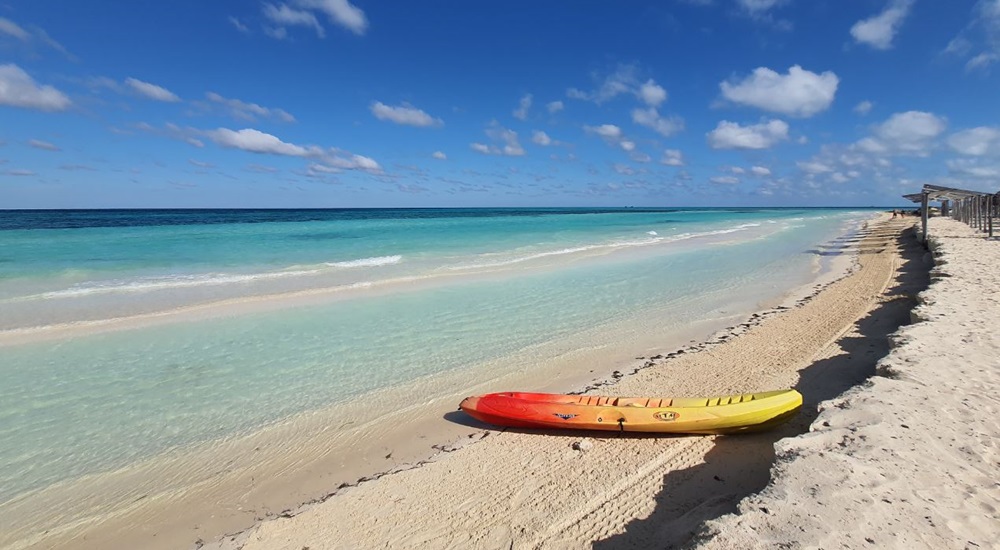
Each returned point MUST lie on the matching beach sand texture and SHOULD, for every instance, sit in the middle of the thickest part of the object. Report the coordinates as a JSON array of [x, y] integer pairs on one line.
[[910, 459], [534, 490]]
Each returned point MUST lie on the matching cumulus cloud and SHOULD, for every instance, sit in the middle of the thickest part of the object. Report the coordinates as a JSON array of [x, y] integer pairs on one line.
[[305, 13], [864, 107], [879, 30], [910, 133], [329, 160], [652, 93], [980, 141], [612, 135], [555, 106], [243, 110], [285, 16], [504, 142], [760, 171], [725, 180], [973, 168], [18, 89], [624, 80], [672, 157], [541, 138], [151, 91], [255, 141], [404, 114], [44, 145], [800, 93], [521, 113], [439, 155], [730, 135], [339, 12], [651, 119]]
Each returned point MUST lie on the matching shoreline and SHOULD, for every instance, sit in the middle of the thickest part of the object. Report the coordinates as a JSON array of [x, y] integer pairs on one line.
[[345, 516], [908, 459], [420, 452]]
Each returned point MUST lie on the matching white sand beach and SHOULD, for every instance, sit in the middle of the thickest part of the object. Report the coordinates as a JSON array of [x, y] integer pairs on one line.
[[911, 458], [507, 489]]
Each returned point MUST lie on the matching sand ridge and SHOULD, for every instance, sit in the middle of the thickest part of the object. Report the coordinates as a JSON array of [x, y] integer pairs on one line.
[[533, 490]]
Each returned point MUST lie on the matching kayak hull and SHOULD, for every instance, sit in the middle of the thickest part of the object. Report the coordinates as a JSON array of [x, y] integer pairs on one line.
[[700, 415]]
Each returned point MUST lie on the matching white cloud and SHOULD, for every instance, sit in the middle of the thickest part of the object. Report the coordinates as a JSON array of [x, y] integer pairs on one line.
[[521, 113], [911, 132], [759, 6], [340, 12], [555, 106], [623, 169], [18, 89], [541, 138], [976, 141], [725, 180], [730, 135], [20, 172], [613, 135], [504, 142], [624, 80], [239, 25], [738, 170], [800, 93], [760, 171], [11, 28], [255, 141], [151, 91], [284, 16], [973, 168], [606, 131], [652, 93], [864, 107], [814, 167], [349, 161], [404, 114], [982, 61], [439, 155], [672, 157], [31, 36], [980, 39], [249, 111], [651, 118], [44, 145], [879, 30]]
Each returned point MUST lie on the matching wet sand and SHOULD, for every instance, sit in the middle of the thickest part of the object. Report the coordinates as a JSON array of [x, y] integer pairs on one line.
[[494, 489]]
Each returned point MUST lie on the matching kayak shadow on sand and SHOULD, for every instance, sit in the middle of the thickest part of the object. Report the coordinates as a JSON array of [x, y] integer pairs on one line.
[[740, 466]]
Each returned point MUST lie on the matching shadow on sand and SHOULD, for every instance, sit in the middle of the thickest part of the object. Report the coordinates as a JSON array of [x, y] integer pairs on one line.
[[738, 466]]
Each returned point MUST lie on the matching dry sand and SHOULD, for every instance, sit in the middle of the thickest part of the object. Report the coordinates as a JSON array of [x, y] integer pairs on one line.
[[911, 459], [506, 489]]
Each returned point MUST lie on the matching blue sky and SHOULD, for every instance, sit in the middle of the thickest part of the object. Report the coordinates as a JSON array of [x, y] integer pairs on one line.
[[345, 103]]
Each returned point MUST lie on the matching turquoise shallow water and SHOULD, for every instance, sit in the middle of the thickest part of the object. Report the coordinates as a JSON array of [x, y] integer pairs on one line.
[[419, 292]]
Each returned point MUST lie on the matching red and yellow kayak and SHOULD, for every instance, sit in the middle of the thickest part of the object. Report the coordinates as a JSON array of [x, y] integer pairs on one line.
[[691, 415]]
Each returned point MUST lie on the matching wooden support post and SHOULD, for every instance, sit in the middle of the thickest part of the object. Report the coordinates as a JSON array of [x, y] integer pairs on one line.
[[989, 214], [923, 215]]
